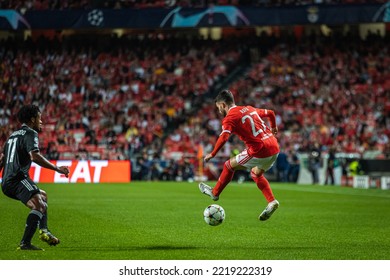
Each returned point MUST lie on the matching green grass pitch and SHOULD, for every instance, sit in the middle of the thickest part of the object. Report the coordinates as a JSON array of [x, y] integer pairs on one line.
[[164, 220]]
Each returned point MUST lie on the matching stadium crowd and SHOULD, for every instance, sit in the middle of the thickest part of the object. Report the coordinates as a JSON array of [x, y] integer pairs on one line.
[[127, 99], [328, 93], [25, 5], [112, 101]]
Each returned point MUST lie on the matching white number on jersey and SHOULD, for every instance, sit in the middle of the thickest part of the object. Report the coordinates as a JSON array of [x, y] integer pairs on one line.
[[11, 149], [256, 131]]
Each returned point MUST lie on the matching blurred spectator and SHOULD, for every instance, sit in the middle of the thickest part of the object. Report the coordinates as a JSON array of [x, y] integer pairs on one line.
[[90, 136], [355, 168], [314, 162], [141, 169], [170, 172], [387, 151], [186, 171], [156, 169], [293, 171], [52, 152], [331, 162], [282, 166]]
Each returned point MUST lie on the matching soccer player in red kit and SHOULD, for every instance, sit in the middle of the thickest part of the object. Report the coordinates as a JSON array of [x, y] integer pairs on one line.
[[260, 154]]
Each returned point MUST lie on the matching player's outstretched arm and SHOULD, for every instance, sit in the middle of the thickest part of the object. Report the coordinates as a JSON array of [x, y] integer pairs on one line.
[[42, 161], [222, 139], [271, 116]]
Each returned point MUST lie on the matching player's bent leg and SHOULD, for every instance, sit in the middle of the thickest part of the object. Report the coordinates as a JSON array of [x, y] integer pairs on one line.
[[43, 195], [44, 233], [43, 223], [225, 178], [257, 171], [262, 183], [33, 219], [36, 203], [29, 231]]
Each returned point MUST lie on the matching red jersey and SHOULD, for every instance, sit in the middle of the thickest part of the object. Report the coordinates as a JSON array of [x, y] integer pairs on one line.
[[247, 123]]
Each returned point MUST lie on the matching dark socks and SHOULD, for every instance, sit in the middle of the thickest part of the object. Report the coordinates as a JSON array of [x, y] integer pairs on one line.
[[43, 222], [31, 226]]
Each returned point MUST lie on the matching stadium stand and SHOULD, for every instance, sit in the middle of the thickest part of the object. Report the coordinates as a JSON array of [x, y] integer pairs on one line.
[[25, 5], [124, 98], [332, 91], [108, 104]]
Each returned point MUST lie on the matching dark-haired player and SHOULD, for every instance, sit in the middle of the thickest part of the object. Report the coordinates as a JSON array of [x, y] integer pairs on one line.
[[21, 148], [261, 153]]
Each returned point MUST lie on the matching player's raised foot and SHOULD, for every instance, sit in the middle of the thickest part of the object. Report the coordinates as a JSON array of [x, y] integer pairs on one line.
[[207, 190], [29, 247], [269, 210], [46, 236]]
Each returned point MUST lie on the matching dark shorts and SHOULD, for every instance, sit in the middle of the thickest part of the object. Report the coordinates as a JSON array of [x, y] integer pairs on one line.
[[23, 190]]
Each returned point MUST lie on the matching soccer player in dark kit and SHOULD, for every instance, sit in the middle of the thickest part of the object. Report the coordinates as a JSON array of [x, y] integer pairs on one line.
[[21, 148]]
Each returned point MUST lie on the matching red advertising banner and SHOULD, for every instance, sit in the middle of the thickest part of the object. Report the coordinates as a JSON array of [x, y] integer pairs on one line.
[[84, 171]]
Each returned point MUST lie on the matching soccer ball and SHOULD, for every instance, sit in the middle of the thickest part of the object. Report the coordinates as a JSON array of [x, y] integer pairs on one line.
[[214, 215]]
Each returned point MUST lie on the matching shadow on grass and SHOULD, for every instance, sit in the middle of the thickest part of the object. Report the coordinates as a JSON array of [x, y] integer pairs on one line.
[[173, 248], [292, 247], [132, 248]]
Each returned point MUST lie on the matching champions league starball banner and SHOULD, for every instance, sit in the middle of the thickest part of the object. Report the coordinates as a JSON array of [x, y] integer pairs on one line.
[[178, 17]]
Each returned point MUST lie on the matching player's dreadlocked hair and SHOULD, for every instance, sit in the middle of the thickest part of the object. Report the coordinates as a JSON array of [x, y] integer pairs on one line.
[[27, 112], [225, 96]]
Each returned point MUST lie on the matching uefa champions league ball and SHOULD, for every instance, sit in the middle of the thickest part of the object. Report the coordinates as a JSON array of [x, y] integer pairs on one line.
[[214, 215]]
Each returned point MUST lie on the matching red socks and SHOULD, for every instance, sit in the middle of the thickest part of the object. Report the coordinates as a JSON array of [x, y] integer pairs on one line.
[[227, 175], [263, 184], [224, 179]]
